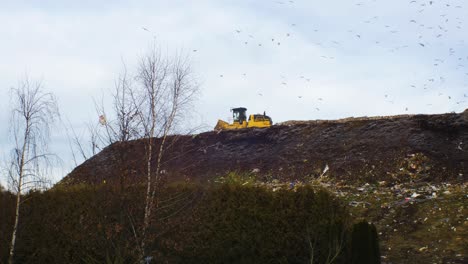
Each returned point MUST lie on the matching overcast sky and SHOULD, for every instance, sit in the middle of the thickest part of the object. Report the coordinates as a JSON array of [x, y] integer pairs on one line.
[[301, 59]]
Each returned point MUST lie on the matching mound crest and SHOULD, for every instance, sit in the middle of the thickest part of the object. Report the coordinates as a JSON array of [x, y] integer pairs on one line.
[[394, 148]]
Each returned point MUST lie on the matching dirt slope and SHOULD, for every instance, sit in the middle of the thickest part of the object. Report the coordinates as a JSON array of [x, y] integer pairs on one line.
[[431, 147]]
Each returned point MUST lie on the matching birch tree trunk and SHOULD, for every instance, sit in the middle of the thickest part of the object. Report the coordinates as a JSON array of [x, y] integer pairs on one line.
[[33, 114], [166, 87]]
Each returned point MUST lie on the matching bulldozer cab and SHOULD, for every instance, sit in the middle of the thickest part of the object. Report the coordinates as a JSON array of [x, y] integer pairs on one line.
[[239, 114]]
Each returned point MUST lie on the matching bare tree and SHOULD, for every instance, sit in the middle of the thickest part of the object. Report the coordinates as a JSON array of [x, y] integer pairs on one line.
[[81, 147], [125, 125], [166, 88], [121, 125], [33, 113], [147, 106]]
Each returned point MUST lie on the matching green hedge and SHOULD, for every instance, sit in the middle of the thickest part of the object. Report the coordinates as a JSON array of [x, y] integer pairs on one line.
[[364, 244], [233, 223], [223, 223]]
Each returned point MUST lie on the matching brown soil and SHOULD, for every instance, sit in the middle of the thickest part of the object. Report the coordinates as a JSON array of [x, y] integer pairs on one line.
[[395, 148]]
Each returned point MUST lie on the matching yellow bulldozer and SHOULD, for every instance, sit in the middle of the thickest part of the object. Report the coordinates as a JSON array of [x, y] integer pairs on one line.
[[240, 120]]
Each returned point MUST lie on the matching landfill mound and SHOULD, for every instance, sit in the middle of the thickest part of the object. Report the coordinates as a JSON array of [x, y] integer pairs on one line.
[[406, 174], [394, 149]]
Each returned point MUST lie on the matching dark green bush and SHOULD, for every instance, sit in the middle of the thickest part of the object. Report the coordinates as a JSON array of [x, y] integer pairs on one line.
[[364, 244], [224, 223], [248, 224]]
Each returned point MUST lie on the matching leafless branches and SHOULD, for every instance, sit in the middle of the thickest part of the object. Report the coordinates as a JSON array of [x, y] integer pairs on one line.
[[166, 88], [126, 124], [33, 114], [84, 148], [123, 123], [149, 106]]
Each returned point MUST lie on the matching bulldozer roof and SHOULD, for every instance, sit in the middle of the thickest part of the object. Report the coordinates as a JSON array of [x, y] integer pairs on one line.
[[239, 109]]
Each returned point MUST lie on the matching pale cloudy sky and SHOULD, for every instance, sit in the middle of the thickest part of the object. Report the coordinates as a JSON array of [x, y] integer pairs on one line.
[[301, 59]]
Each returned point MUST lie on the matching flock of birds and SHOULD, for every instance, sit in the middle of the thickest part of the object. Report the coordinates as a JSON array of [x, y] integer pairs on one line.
[[430, 34]]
